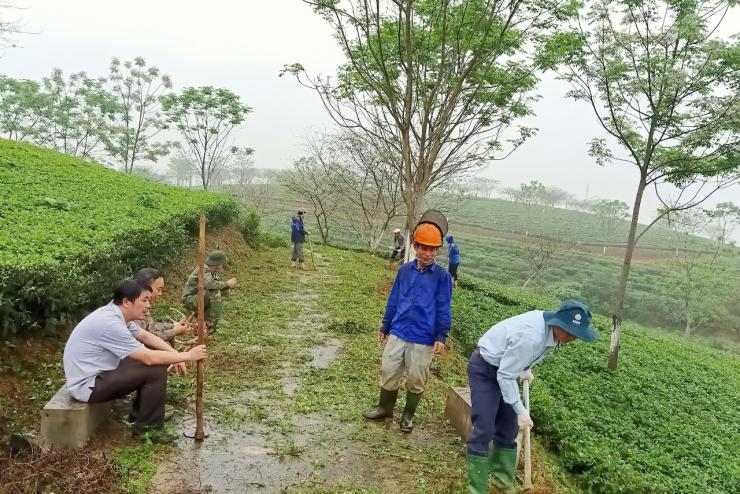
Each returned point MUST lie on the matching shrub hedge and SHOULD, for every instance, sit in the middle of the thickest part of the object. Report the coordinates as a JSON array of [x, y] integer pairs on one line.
[[70, 228]]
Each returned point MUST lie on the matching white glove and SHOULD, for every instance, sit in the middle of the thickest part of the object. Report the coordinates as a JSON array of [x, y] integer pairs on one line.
[[525, 420], [526, 376]]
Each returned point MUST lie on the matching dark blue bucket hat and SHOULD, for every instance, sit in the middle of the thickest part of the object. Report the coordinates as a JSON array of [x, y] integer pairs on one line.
[[575, 318], [450, 239]]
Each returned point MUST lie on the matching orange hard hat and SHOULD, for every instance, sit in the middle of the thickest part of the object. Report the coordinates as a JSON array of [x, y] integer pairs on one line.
[[428, 234]]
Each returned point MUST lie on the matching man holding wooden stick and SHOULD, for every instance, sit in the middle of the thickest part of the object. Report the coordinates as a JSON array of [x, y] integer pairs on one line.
[[506, 351], [105, 359]]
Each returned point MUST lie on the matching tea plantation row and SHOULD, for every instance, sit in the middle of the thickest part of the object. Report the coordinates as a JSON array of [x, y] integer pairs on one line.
[[666, 422], [68, 228]]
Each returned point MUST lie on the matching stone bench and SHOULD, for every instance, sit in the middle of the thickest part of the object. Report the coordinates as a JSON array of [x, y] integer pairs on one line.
[[68, 423], [458, 410]]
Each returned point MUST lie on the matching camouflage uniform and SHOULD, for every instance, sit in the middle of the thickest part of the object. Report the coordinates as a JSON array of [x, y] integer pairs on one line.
[[164, 330], [214, 288]]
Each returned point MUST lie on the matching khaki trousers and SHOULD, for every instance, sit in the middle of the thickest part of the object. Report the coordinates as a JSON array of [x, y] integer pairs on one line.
[[401, 357]]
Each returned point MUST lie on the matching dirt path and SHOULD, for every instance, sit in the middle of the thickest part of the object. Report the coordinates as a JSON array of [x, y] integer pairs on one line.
[[283, 450]]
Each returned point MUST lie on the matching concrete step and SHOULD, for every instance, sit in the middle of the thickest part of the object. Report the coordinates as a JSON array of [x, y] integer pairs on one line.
[[457, 410], [68, 423]]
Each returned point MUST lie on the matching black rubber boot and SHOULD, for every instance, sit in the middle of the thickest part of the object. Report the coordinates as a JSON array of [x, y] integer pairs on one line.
[[412, 401], [385, 407]]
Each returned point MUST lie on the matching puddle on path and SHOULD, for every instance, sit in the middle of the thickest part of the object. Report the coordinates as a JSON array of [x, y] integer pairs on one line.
[[324, 355], [232, 461]]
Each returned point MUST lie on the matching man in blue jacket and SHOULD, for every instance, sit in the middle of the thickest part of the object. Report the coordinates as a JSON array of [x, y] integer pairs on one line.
[[417, 319], [506, 351], [298, 237], [453, 259]]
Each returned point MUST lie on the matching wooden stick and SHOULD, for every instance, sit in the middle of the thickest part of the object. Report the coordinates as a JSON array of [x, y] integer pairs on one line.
[[527, 444], [199, 433], [310, 247]]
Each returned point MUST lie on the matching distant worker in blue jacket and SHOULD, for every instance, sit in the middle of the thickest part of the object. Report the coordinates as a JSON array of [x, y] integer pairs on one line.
[[506, 351], [417, 319], [453, 258], [298, 237]]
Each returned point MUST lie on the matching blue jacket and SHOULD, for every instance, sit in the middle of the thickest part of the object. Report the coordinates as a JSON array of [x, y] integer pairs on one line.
[[419, 306], [454, 256], [297, 232]]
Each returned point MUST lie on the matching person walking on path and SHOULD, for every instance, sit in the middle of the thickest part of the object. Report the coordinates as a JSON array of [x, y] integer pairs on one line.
[[453, 259], [417, 320], [298, 237], [166, 330], [107, 357], [506, 351], [399, 245], [215, 289]]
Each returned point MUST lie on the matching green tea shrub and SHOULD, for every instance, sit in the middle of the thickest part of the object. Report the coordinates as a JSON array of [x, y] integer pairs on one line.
[[70, 228], [665, 422]]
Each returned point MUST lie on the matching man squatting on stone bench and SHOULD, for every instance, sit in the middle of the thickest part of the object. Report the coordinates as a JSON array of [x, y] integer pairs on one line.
[[106, 357]]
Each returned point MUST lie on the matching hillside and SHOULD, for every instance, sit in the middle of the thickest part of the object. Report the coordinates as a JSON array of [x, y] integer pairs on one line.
[[69, 226]]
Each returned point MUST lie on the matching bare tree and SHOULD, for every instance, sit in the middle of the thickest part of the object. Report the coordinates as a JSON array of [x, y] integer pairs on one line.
[[182, 168], [543, 253], [308, 181], [9, 27], [365, 181]]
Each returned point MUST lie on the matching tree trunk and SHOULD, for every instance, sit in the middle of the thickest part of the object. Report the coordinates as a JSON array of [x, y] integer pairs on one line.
[[622, 289]]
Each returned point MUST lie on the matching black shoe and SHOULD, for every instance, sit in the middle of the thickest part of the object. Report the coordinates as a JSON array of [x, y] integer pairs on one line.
[[386, 404], [407, 419]]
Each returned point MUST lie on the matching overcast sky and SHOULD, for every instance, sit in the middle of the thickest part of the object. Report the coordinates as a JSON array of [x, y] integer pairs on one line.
[[242, 45]]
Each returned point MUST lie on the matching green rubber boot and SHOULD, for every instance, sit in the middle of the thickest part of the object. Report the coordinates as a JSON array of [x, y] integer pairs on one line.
[[503, 467], [386, 404], [407, 420], [477, 474]]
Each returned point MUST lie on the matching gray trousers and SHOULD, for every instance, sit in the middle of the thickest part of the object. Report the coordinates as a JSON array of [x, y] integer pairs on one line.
[[401, 357], [297, 252]]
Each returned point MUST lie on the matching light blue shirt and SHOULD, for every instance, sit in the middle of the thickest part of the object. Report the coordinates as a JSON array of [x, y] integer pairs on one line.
[[514, 345], [97, 344]]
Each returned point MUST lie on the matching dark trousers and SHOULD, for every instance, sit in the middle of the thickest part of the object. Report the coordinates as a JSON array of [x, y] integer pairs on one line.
[[493, 419], [150, 384], [453, 270], [396, 252]]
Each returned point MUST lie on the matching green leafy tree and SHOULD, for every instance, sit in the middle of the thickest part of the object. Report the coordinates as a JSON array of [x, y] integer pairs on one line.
[[206, 118], [665, 91], [137, 90], [439, 85], [22, 105], [78, 115]]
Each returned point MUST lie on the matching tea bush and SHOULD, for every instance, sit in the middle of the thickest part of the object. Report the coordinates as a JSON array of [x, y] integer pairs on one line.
[[70, 228], [666, 422]]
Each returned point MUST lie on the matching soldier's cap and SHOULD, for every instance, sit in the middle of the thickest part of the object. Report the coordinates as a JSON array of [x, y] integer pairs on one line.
[[217, 258]]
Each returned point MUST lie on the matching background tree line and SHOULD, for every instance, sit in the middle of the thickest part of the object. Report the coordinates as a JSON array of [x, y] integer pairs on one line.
[[119, 119]]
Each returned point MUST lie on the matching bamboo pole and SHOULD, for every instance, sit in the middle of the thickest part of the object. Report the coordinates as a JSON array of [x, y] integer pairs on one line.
[[201, 330]]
